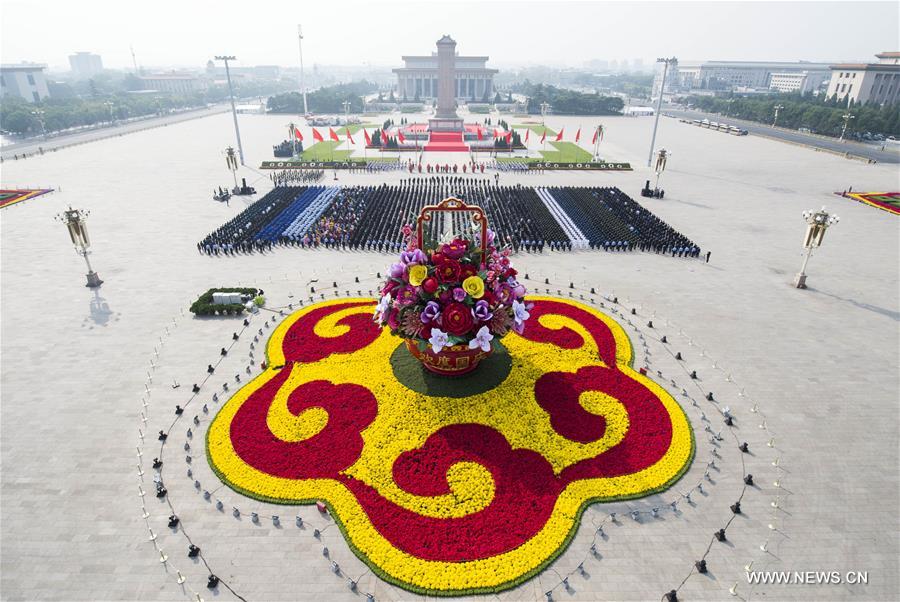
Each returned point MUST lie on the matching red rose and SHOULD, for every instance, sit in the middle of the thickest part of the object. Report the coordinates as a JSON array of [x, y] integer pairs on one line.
[[448, 272], [437, 258], [430, 285], [489, 297], [457, 319], [466, 270], [389, 288]]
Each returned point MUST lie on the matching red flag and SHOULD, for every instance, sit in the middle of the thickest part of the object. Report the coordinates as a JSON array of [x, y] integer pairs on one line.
[[384, 138], [349, 137], [333, 135], [527, 131], [544, 136], [298, 135], [317, 136], [509, 138], [368, 138], [559, 136], [480, 134], [594, 140], [578, 134], [400, 137]]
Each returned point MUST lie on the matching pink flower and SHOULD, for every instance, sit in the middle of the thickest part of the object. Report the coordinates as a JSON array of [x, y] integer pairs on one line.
[[407, 296]]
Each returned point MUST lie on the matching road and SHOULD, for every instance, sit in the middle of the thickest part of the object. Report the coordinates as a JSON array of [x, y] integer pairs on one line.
[[856, 149], [33, 145]]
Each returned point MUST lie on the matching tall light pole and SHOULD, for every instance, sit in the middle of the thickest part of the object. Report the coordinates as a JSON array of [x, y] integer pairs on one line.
[[232, 166], [846, 117], [237, 132], [39, 113], [662, 87], [302, 86], [817, 223], [75, 221], [777, 108]]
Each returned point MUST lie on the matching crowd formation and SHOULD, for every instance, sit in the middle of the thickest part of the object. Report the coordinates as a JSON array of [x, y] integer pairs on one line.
[[294, 177], [524, 218]]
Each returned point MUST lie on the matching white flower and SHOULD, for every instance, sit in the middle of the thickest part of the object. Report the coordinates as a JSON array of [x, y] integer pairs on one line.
[[520, 312], [382, 307], [439, 339], [482, 339]]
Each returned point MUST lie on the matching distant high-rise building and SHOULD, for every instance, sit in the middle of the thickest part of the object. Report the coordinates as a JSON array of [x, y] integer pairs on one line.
[[25, 80], [877, 83], [85, 64]]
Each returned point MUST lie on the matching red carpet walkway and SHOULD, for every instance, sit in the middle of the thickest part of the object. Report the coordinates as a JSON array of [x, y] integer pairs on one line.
[[447, 142]]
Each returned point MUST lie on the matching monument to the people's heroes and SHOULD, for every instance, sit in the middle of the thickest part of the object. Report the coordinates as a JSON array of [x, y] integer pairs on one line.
[[446, 119]]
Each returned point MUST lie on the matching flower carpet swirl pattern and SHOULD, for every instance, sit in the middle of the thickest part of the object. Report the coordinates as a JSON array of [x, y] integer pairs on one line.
[[451, 495]]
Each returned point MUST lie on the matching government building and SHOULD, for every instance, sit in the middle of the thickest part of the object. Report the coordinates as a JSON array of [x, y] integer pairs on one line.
[[418, 78], [862, 83]]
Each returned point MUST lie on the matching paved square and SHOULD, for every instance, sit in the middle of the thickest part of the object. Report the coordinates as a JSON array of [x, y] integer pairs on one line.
[[820, 363]]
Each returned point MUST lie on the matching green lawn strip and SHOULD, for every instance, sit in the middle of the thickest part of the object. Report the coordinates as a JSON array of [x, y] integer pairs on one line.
[[534, 127], [325, 151], [566, 152]]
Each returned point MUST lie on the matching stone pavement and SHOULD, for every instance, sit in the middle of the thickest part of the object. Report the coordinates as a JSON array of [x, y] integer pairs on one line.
[[820, 363]]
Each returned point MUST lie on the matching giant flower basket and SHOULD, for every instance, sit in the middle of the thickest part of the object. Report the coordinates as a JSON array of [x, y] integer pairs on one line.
[[451, 300], [451, 486]]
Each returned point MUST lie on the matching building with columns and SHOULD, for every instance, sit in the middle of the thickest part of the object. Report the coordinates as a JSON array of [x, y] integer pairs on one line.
[[418, 78]]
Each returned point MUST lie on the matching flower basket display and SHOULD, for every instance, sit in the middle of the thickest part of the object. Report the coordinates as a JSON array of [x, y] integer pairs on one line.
[[453, 292]]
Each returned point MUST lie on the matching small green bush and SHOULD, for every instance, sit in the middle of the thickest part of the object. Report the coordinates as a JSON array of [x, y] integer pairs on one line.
[[204, 305]]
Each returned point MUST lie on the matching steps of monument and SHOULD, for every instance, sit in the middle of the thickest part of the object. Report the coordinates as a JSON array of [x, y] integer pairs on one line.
[[447, 142]]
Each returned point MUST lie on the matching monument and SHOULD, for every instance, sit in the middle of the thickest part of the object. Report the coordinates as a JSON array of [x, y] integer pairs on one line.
[[446, 119]]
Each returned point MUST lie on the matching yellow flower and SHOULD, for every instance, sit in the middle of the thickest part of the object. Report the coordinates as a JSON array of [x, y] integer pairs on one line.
[[474, 285], [417, 274]]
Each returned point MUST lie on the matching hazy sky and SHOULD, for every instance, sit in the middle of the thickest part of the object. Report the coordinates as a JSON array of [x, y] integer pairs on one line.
[[189, 32]]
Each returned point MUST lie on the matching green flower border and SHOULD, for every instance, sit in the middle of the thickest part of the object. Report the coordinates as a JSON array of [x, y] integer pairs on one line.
[[447, 593]]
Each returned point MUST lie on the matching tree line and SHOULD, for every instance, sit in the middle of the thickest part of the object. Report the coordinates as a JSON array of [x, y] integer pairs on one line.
[[567, 102], [329, 99], [84, 103], [821, 115]]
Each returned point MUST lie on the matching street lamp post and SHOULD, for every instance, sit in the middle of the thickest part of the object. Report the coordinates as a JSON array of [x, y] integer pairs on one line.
[[231, 162], [662, 157], [662, 87], [777, 108], [817, 223], [292, 136], [75, 221], [846, 117], [39, 113], [237, 132]]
